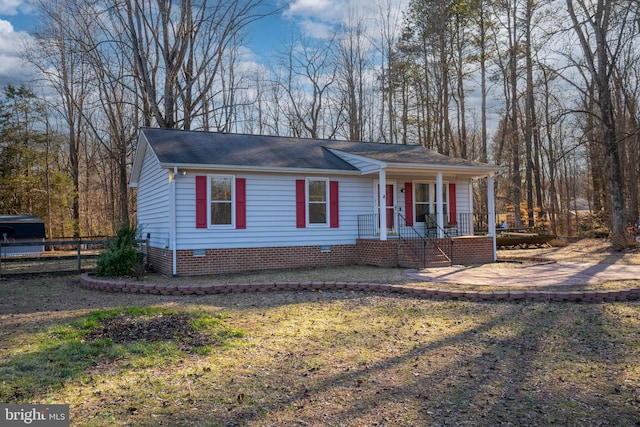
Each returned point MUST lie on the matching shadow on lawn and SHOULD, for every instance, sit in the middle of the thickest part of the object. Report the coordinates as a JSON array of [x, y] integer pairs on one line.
[[524, 364], [485, 375]]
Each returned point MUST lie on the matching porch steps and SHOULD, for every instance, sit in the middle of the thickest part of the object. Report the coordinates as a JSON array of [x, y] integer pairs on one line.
[[434, 258]]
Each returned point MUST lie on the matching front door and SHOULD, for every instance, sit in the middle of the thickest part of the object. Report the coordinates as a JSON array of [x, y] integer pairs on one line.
[[390, 201]]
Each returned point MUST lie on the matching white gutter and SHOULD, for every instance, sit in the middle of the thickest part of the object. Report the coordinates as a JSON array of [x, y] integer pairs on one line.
[[225, 168]]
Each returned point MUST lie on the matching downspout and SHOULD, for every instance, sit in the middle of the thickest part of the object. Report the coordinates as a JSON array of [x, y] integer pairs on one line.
[[439, 205], [491, 208], [172, 221]]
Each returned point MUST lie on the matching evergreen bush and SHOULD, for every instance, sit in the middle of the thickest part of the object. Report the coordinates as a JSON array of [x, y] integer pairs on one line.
[[121, 255]]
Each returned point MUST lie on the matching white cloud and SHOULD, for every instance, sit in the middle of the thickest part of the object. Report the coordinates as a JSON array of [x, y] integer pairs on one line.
[[9, 7], [9, 65], [315, 29], [5, 28], [12, 68], [13, 7], [318, 18], [9, 39], [319, 9]]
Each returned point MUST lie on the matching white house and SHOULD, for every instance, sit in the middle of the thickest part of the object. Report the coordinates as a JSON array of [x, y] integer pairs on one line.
[[217, 203]]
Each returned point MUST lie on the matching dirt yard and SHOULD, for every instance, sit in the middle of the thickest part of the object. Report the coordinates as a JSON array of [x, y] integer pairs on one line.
[[579, 250]]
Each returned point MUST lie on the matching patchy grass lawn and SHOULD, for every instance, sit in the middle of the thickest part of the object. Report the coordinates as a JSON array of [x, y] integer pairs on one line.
[[319, 358]]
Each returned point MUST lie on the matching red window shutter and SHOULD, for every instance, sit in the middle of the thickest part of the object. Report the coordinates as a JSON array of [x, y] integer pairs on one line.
[[452, 204], [408, 202], [301, 213], [201, 201], [334, 208], [241, 203]]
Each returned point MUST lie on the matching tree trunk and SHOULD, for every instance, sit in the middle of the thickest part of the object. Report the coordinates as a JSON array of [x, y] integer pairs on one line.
[[600, 64]]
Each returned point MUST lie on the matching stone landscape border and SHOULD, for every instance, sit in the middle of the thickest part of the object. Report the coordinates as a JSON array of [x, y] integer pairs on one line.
[[110, 285]]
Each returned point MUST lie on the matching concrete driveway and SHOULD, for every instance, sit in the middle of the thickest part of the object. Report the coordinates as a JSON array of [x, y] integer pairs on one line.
[[540, 275]]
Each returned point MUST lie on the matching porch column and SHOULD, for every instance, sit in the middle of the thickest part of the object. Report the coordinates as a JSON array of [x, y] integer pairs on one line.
[[470, 225], [382, 202], [439, 214], [491, 207], [172, 228]]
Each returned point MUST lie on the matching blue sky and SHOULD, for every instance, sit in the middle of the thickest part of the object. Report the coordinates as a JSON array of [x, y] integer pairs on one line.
[[312, 18]]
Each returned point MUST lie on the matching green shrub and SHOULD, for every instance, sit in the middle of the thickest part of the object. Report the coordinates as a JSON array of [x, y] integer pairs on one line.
[[121, 255]]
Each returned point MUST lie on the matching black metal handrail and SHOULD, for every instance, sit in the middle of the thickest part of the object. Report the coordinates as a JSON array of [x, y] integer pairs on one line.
[[415, 241], [420, 244], [433, 230]]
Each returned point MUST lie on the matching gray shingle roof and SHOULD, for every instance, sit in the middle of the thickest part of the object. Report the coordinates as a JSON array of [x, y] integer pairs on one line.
[[178, 147], [224, 149]]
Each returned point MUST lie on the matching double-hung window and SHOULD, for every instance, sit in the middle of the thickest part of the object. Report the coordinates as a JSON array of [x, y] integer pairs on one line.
[[422, 200], [221, 194], [221, 201], [318, 201], [425, 200]]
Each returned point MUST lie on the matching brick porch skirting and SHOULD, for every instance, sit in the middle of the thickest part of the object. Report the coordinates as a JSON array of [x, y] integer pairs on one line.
[[389, 253]]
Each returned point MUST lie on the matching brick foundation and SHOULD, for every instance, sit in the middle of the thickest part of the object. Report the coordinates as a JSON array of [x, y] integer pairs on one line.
[[377, 253], [386, 254], [221, 261], [472, 250]]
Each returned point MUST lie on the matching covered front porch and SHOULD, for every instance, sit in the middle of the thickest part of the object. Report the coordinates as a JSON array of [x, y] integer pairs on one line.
[[429, 216]]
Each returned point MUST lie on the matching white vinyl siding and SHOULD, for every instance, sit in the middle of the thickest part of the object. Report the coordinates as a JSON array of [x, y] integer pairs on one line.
[[271, 214], [153, 201]]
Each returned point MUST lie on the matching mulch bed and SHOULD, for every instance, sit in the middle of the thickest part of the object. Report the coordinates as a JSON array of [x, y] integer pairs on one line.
[[167, 327]]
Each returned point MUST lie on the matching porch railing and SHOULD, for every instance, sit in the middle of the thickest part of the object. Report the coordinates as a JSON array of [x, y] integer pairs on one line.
[[368, 226], [427, 249], [466, 224]]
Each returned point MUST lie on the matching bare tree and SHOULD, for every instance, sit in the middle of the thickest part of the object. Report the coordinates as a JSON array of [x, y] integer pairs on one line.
[[353, 63], [389, 24], [600, 28], [177, 50], [308, 74], [60, 61]]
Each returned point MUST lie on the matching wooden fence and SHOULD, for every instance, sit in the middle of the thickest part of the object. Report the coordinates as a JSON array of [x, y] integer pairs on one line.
[[59, 256]]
